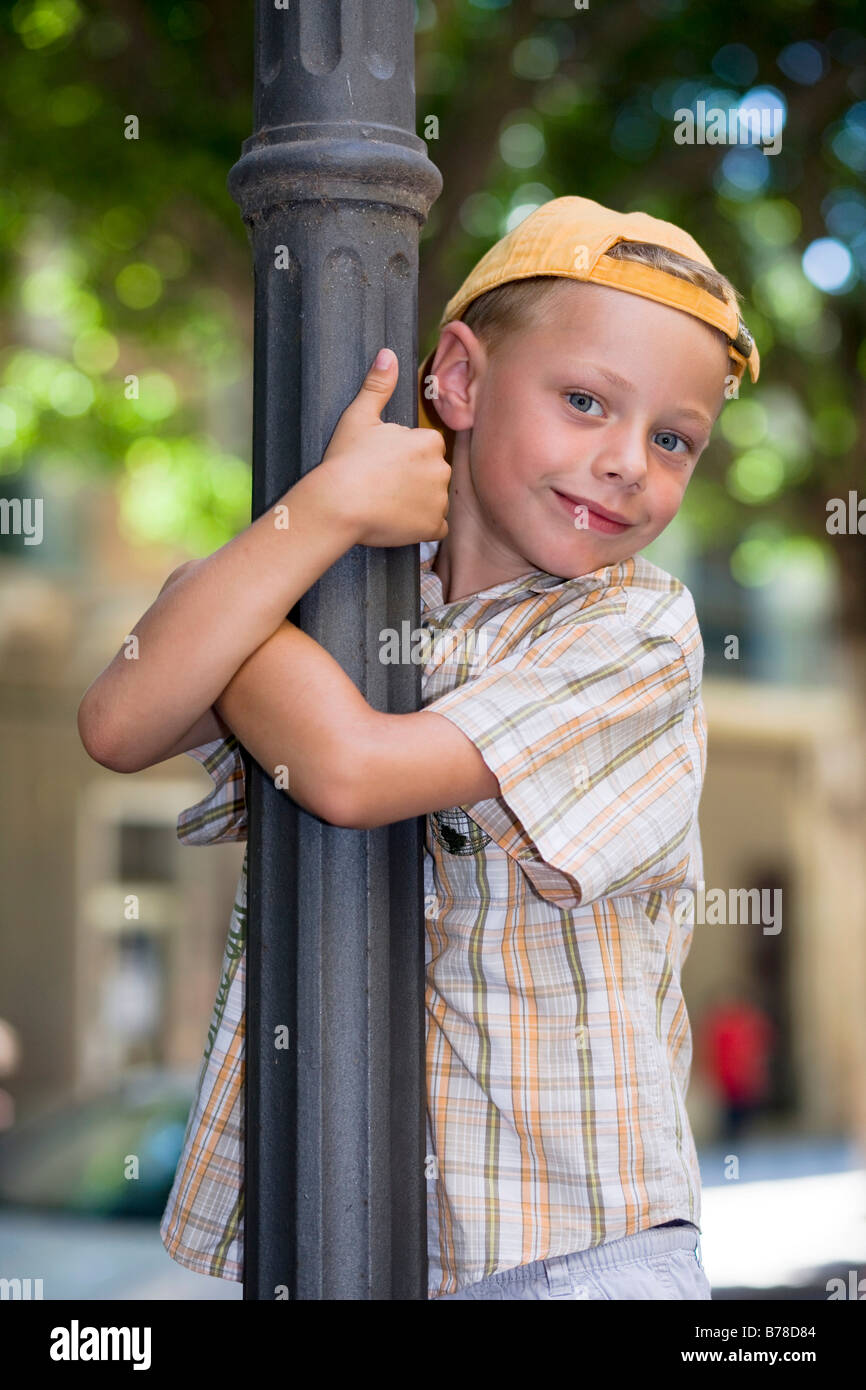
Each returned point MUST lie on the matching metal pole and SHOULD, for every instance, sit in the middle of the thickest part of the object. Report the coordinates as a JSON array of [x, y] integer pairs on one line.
[[334, 187]]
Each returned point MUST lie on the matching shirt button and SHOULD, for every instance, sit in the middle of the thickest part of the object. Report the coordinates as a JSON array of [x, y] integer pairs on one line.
[[581, 1292], [581, 1035]]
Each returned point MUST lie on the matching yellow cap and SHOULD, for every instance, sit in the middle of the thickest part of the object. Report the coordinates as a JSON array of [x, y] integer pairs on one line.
[[571, 237]]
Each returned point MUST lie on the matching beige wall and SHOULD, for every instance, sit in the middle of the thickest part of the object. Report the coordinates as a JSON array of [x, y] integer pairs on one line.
[[785, 785], [62, 908]]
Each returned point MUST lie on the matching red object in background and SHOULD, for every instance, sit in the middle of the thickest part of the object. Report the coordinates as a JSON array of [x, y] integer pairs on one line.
[[738, 1038]]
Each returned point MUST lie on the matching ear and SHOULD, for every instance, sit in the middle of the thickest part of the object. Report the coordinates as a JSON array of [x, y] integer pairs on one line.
[[458, 365]]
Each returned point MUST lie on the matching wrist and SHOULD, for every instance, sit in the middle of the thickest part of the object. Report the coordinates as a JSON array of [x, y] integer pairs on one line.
[[324, 494]]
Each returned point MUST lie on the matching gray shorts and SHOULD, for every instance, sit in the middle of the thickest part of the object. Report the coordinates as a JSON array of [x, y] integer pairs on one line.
[[662, 1262]]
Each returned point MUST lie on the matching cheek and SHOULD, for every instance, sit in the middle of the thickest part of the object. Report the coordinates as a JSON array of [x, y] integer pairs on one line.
[[502, 458], [669, 492]]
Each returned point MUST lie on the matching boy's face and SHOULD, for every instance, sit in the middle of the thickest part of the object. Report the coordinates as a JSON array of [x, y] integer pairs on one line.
[[540, 420]]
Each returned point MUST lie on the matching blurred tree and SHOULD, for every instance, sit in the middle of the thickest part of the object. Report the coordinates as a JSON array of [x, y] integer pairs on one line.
[[127, 257], [126, 282]]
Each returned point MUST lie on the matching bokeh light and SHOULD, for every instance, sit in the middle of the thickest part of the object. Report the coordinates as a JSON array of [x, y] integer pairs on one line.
[[735, 62], [138, 285], [535, 59], [756, 475], [40, 23], [804, 62], [522, 145], [828, 264]]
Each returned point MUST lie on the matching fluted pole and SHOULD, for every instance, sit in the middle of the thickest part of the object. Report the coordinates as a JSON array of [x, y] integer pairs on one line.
[[334, 187]]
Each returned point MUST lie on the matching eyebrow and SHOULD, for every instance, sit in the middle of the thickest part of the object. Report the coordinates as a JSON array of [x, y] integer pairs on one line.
[[624, 385]]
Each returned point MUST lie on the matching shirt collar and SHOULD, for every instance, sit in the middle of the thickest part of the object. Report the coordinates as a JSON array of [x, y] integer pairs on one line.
[[534, 581]]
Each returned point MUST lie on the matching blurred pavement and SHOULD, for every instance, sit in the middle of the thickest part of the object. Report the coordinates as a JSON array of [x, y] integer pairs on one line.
[[794, 1218]]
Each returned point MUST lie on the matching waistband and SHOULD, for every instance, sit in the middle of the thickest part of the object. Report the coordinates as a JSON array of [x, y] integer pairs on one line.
[[558, 1269], [657, 1240]]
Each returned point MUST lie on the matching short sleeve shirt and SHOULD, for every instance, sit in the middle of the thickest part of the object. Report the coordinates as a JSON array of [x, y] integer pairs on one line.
[[558, 1043]]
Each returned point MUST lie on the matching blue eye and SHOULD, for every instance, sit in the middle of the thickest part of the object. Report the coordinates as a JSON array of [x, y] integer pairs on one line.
[[582, 396], [586, 400], [669, 434]]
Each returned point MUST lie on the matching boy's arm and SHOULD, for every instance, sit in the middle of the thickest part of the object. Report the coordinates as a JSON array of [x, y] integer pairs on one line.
[[292, 705], [208, 726], [202, 626], [379, 484]]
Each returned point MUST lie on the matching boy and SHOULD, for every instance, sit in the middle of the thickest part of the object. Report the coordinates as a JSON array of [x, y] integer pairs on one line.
[[559, 755]]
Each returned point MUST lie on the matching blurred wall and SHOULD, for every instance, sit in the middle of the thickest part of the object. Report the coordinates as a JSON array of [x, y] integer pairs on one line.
[[783, 808], [112, 931]]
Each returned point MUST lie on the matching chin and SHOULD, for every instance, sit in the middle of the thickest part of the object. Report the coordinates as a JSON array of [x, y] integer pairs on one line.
[[572, 565]]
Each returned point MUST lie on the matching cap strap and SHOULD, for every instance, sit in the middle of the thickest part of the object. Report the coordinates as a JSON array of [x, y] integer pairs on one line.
[[651, 282]]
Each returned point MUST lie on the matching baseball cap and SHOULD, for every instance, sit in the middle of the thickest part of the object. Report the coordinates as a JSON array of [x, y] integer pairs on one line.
[[571, 237]]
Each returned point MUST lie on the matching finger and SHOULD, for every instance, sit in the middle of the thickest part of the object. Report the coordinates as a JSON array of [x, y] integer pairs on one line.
[[378, 386]]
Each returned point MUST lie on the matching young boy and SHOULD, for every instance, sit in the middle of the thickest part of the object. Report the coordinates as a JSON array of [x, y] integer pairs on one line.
[[559, 755]]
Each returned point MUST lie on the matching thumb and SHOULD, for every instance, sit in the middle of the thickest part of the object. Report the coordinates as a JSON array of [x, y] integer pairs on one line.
[[379, 383]]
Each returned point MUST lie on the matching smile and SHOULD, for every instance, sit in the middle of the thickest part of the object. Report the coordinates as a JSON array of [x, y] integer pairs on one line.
[[589, 520]]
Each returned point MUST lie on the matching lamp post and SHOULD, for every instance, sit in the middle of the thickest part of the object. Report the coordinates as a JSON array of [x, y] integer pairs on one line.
[[334, 187]]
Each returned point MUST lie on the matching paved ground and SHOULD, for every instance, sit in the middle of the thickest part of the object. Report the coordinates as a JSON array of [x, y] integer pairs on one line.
[[793, 1219]]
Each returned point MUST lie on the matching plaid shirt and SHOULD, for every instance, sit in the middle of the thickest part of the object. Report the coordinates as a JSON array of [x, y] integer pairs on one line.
[[558, 1042]]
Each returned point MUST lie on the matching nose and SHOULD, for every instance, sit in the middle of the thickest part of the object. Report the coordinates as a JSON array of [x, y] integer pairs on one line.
[[622, 458]]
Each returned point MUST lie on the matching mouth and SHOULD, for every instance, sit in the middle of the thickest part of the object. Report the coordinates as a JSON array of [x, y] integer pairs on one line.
[[589, 516]]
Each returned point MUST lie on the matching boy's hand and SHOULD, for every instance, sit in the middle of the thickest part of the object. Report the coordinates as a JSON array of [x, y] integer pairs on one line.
[[391, 481]]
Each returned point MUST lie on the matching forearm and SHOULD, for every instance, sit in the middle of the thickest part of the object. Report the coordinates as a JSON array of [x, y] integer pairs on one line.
[[203, 626], [316, 736], [293, 707]]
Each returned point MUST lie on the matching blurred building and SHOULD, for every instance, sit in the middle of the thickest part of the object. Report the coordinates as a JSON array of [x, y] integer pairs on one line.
[[783, 811], [112, 931]]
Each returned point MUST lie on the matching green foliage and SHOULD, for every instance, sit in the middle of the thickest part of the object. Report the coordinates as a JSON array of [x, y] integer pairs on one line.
[[127, 257], [125, 273]]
